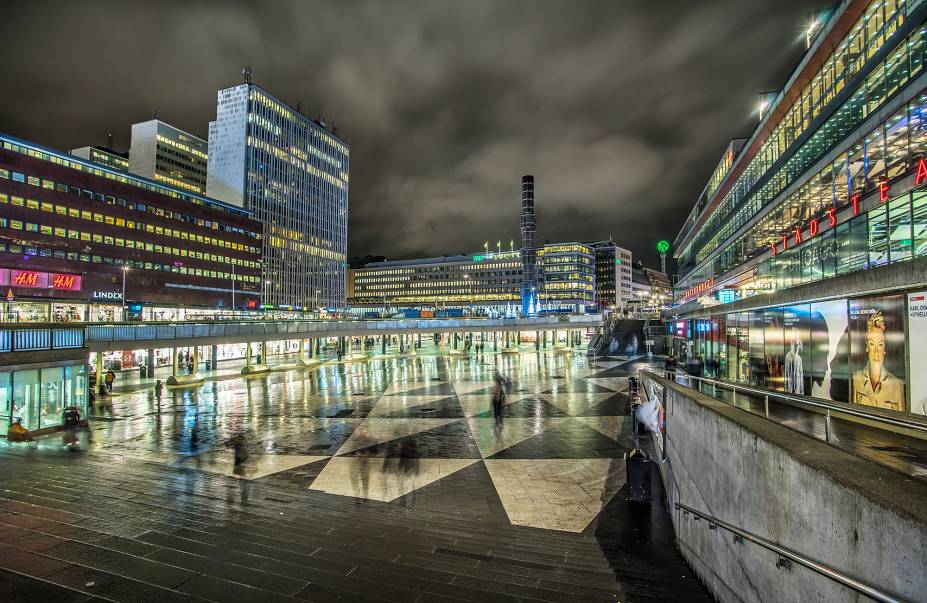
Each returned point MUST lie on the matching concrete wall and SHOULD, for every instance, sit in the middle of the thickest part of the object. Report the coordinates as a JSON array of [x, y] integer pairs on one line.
[[854, 515]]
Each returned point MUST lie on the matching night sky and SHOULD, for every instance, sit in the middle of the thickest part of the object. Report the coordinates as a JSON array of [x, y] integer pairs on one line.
[[620, 109]]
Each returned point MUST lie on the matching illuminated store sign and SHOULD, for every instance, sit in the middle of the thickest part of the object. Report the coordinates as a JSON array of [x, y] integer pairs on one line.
[[699, 288], [811, 228], [32, 279], [112, 295]]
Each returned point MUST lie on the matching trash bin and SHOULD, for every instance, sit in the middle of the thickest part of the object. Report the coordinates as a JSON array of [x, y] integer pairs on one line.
[[143, 371], [639, 468]]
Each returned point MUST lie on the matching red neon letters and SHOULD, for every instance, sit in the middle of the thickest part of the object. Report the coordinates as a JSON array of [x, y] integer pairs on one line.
[[884, 189], [921, 176]]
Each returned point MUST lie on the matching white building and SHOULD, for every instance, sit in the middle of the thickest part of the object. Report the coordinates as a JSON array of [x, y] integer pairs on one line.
[[167, 154], [293, 174]]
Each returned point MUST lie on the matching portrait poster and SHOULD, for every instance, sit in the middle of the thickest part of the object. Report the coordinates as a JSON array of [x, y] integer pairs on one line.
[[877, 352], [830, 351], [796, 367], [917, 350], [775, 353]]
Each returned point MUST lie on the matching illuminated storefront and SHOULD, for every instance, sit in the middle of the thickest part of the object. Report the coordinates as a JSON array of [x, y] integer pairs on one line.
[[832, 183], [39, 396]]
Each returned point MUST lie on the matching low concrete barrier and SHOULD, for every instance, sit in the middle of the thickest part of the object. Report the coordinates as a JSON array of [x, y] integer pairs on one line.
[[859, 518]]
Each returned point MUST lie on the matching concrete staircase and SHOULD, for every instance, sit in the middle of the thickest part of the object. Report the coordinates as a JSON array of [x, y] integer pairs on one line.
[[82, 528]]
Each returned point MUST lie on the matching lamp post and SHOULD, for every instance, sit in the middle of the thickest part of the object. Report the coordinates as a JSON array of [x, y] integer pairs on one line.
[[125, 269], [469, 292], [315, 300]]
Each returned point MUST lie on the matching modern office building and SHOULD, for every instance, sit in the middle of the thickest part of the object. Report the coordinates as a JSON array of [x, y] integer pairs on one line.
[[104, 156], [81, 242], [802, 264], [293, 174], [485, 282], [161, 152], [612, 275], [529, 280]]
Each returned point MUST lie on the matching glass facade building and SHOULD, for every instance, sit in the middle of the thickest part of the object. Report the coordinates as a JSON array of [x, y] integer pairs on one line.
[[293, 174], [612, 275], [833, 182], [167, 154]]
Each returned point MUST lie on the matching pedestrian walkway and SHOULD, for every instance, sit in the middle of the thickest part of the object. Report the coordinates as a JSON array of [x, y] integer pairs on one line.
[[384, 480]]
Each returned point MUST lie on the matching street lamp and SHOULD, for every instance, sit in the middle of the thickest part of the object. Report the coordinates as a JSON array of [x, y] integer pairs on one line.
[[469, 291], [125, 269]]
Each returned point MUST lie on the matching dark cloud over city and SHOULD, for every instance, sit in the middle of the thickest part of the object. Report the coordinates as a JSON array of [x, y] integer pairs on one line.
[[619, 109]]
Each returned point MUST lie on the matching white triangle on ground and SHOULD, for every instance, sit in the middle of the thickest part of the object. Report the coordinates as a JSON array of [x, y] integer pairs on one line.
[[389, 404], [377, 431], [255, 466], [555, 494], [477, 404], [610, 427], [512, 431], [574, 404], [617, 384], [383, 478], [405, 386], [465, 387]]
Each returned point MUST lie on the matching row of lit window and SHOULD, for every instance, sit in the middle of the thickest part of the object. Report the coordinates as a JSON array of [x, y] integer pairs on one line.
[[186, 149], [60, 187], [121, 222], [89, 168]]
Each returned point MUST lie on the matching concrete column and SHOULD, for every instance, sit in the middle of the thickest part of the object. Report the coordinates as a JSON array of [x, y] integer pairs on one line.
[[99, 371], [382, 344], [150, 365], [418, 340], [495, 342], [537, 341], [302, 349], [263, 352], [174, 362], [214, 358], [545, 333], [196, 359], [248, 354]]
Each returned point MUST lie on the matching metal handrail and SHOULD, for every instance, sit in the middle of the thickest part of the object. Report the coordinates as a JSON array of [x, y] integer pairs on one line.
[[785, 553], [814, 402]]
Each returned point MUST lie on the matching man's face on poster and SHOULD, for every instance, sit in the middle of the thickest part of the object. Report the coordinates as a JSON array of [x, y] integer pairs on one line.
[[875, 345]]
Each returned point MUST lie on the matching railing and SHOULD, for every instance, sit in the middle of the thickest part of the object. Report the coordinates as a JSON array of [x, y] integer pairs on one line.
[[32, 339], [787, 556], [828, 407], [295, 328]]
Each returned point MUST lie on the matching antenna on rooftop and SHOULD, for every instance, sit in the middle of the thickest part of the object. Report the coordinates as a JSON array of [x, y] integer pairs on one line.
[[154, 113], [247, 73]]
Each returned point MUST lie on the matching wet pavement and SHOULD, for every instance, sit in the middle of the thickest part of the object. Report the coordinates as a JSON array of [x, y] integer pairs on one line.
[[386, 479]]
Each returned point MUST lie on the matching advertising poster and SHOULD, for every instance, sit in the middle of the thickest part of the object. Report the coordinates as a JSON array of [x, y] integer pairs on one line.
[[796, 367], [757, 349], [917, 349], [775, 352], [877, 352], [830, 351]]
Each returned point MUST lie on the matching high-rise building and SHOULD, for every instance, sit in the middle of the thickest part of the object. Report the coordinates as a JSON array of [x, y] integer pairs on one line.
[[293, 174], [529, 281], [612, 274], [568, 276], [802, 263], [161, 152], [103, 156]]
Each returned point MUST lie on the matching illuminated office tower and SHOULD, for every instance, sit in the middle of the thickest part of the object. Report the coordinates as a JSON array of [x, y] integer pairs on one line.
[[293, 174], [167, 154]]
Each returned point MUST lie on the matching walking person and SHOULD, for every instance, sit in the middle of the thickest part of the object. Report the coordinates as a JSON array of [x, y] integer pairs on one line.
[[110, 378], [498, 399]]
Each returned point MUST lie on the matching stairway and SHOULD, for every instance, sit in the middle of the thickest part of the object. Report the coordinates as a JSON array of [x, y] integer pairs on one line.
[[79, 528]]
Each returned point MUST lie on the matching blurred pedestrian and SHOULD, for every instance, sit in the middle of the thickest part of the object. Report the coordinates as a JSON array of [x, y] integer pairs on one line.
[[110, 378], [498, 398]]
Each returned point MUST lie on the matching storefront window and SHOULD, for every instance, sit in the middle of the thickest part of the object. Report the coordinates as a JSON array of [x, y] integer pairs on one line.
[[5, 397], [26, 398], [75, 388], [828, 252], [878, 237], [52, 397], [27, 312], [68, 312], [757, 351], [899, 223], [852, 239], [919, 223]]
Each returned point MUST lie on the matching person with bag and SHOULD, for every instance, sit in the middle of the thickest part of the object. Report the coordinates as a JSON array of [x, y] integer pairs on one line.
[[498, 399]]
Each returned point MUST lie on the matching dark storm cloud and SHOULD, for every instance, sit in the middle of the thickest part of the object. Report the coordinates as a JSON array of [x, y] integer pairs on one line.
[[619, 109]]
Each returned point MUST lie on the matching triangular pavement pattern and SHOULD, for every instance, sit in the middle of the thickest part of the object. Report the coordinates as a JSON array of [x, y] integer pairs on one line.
[[390, 404], [443, 408], [407, 386], [555, 494], [383, 479], [447, 441], [376, 431], [467, 387], [564, 440], [610, 427], [574, 404], [527, 407], [616, 384], [255, 466], [491, 440], [578, 386]]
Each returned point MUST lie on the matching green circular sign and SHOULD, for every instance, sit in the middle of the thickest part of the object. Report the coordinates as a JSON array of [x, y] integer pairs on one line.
[[663, 246]]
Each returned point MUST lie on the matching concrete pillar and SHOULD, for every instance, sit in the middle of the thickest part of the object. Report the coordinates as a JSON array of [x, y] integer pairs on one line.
[[150, 364], [263, 352], [537, 341], [174, 362], [302, 349], [545, 333], [382, 344], [196, 359], [214, 358], [418, 340], [248, 354], [99, 371], [495, 341]]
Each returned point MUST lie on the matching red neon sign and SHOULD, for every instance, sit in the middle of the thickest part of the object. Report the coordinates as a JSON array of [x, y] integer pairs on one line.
[[699, 288], [33, 279], [884, 189], [920, 177]]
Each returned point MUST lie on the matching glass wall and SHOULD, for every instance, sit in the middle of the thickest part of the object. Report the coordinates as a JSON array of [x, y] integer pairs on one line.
[[38, 397]]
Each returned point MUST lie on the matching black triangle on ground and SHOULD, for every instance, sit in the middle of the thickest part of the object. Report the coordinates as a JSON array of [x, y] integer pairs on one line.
[[578, 386], [616, 406], [525, 409], [469, 492], [451, 441], [446, 408], [301, 476], [432, 389], [572, 440]]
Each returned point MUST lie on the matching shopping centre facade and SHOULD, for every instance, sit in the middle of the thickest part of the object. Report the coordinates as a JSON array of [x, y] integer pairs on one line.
[[803, 265]]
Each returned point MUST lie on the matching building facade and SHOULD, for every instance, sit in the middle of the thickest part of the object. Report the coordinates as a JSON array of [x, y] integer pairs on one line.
[[103, 156], [75, 236], [293, 174], [801, 266], [612, 275], [161, 152]]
